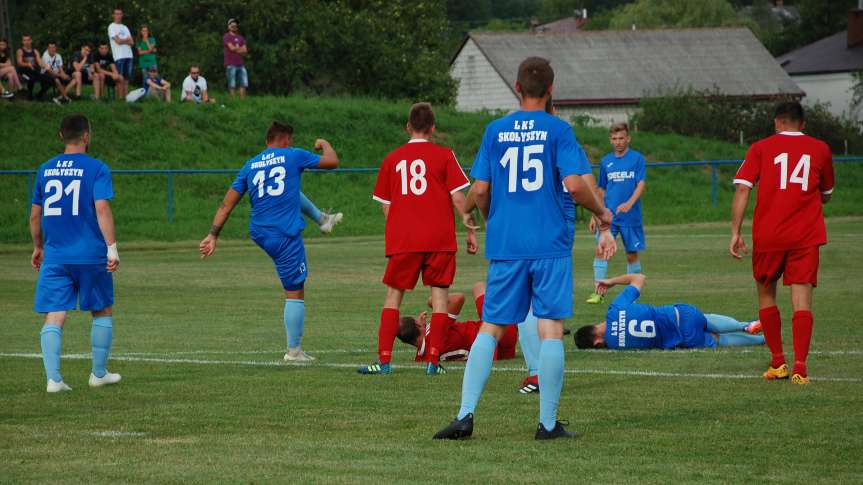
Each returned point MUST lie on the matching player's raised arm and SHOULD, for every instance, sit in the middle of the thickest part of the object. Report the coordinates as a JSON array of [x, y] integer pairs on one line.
[[329, 158], [636, 279], [105, 217], [208, 245], [36, 235]]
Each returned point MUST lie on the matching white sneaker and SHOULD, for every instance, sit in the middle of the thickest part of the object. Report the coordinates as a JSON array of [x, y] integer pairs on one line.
[[57, 386], [297, 355], [105, 380], [330, 221]]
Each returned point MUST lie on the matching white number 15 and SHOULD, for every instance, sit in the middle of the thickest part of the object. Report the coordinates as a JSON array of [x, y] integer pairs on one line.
[[510, 158]]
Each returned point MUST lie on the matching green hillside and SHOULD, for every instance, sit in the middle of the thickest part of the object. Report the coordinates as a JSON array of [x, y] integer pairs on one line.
[[161, 136]]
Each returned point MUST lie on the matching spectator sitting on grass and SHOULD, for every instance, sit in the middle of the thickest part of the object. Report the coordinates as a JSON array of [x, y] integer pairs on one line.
[[195, 87], [105, 69], [7, 71], [146, 52], [156, 86], [82, 71], [30, 67], [52, 67]]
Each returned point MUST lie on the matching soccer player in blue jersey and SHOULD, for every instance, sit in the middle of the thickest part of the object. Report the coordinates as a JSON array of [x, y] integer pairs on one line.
[[631, 325], [621, 184], [518, 169], [74, 250], [272, 179]]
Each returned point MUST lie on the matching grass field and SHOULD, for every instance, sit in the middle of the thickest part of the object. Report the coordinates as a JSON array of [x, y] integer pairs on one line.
[[205, 397], [159, 136]]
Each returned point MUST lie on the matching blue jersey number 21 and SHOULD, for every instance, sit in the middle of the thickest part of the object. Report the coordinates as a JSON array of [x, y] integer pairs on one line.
[[510, 160]]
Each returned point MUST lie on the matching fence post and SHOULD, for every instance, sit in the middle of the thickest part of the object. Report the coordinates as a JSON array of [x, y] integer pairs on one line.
[[714, 181], [170, 198]]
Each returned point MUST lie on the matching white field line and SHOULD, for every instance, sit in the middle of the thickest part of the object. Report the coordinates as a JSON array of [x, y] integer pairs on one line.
[[409, 351], [279, 363]]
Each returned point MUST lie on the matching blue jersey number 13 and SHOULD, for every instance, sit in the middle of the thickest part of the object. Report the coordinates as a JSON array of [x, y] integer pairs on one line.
[[510, 160]]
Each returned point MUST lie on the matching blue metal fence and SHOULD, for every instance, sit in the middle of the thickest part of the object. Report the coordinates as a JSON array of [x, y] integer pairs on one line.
[[170, 173]]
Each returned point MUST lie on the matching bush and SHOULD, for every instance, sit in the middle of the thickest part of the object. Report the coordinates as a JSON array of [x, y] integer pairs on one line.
[[708, 114]]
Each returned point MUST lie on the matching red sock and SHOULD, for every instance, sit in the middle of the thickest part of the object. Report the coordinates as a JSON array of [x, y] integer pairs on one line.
[[437, 336], [801, 328], [771, 322], [387, 334]]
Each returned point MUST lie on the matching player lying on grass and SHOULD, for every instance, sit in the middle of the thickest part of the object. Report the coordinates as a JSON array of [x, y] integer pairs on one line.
[[457, 336], [74, 250], [418, 184], [631, 325], [794, 174], [272, 179]]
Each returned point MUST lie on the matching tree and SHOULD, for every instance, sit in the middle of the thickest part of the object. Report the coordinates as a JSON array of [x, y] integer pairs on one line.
[[666, 14]]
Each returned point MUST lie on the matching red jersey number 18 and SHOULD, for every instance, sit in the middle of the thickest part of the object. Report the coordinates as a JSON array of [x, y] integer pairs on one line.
[[800, 174], [418, 183]]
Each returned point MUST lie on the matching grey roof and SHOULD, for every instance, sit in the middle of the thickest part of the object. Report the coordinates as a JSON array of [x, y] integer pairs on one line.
[[830, 54], [623, 66]]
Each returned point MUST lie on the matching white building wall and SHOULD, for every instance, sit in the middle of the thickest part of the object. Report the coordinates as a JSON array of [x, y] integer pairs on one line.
[[603, 115], [479, 85], [834, 88]]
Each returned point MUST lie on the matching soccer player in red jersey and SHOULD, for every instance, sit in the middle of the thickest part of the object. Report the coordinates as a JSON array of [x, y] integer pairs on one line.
[[418, 184], [457, 336], [794, 174]]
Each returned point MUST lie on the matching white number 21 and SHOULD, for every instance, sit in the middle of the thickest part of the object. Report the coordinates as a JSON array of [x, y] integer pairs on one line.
[[800, 175], [56, 187]]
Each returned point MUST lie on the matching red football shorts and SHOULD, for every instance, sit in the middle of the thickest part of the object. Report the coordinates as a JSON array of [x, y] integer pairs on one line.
[[796, 266], [403, 270]]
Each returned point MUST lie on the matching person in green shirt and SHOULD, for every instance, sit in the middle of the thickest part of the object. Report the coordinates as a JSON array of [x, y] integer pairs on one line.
[[146, 46]]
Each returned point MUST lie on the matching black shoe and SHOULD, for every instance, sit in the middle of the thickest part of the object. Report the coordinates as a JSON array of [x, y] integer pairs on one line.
[[558, 432], [458, 429], [566, 331]]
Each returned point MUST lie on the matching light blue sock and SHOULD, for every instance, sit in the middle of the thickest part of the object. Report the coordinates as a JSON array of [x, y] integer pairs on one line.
[[600, 269], [51, 339], [550, 380], [309, 209], [528, 339], [100, 342], [633, 268], [739, 339], [476, 371], [723, 324], [295, 315]]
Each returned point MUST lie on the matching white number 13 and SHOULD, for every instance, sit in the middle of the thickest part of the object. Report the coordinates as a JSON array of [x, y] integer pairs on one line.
[[800, 175]]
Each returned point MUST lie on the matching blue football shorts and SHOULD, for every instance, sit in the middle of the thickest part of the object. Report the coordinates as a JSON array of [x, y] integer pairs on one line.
[[516, 285], [63, 287], [633, 237], [693, 325], [289, 256]]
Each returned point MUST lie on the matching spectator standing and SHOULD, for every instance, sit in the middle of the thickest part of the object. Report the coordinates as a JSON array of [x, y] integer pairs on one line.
[[121, 49], [30, 67], [7, 70], [83, 71], [235, 50], [105, 69], [156, 86], [195, 87], [52, 67], [146, 47]]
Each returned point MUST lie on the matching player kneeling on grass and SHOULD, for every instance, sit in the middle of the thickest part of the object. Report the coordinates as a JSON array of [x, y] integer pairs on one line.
[[457, 336], [621, 184], [631, 325], [272, 179], [418, 184], [794, 173], [74, 250]]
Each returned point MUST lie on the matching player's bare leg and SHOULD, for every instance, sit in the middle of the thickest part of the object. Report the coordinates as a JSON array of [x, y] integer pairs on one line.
[[295, 302], [51, 338], [801, 329], [771, 323], [551, 363], [101, 335], [387, 330]]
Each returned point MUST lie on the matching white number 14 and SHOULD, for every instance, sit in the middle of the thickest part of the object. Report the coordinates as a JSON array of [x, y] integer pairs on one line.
[[800, 174]]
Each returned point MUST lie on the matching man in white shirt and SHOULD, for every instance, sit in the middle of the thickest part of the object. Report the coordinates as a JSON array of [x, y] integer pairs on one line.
[[52, 68], [121, 48], [195, 87]]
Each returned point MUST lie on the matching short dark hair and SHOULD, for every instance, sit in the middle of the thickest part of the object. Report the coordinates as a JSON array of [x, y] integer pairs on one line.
[[26, 35], [51, 42], [278, 129], [790, 111], [73, 127], [421, 117], [617, 128], [535, 76], [408, 331], [585, 336], [115, 9], [103, 43]]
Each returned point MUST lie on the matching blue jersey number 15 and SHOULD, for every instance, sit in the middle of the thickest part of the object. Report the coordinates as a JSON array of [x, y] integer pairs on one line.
[[510, 159]]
